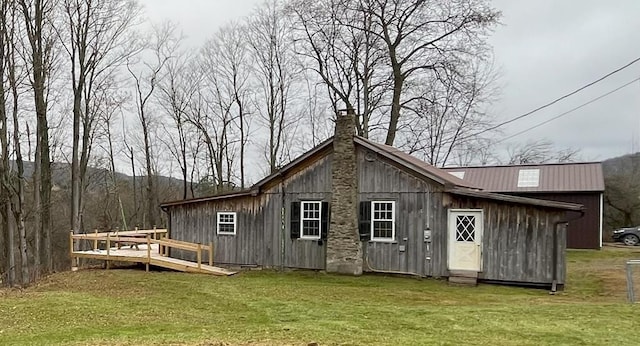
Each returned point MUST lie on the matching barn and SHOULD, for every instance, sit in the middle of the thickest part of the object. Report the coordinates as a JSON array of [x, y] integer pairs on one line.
[[580, 183], [350, 206]]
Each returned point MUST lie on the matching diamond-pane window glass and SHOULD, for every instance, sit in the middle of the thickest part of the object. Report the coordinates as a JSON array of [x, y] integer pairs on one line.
[[466, 228], [310, 219], [383, 224], [529, 178], [226, 223]]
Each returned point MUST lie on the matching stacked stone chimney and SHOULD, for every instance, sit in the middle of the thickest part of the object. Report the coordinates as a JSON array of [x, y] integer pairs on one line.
[[344, 249]]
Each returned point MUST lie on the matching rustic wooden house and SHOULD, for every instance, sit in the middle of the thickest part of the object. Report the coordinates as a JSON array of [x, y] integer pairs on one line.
[[580, 183], [351, 205]]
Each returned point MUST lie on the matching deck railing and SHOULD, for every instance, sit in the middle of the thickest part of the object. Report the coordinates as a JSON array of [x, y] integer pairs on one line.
[[148, 237]]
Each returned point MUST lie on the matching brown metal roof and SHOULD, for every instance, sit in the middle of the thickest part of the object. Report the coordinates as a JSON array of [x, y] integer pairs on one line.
[[414, 163], [390, 152], [516, 199], [566, 177]]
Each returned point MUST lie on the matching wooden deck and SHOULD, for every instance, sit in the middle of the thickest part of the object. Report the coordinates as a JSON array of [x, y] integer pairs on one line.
[[144, 246]]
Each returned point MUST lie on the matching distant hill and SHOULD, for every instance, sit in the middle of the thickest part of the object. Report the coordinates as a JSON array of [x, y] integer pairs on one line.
[[621, 164], [98, 177]]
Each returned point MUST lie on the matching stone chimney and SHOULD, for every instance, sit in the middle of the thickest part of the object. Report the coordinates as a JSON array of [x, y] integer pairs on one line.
[[344, 249]]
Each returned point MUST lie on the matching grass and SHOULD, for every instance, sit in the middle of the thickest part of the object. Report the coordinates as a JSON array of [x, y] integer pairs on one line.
[[131, 307]]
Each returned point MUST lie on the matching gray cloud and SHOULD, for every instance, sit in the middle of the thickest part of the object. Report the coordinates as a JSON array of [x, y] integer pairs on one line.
[[544, 49]]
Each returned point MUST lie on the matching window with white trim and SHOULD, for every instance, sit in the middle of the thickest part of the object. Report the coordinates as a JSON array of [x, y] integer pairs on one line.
[[226, 223], [383, 220], [528, 178], [310, 219]]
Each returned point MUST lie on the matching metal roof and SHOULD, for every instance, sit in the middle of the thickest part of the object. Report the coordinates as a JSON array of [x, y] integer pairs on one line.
[[413, 163], [516, 199], [565, 177]]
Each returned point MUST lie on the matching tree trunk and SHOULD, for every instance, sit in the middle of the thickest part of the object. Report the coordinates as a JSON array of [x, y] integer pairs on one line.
[[398, 81]]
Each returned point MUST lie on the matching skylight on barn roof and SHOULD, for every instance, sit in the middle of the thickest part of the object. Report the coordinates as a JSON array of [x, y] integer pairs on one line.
[[459, 174], [529, 178]]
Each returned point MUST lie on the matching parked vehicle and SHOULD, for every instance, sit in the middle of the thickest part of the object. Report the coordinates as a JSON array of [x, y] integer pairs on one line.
[[628, 235]]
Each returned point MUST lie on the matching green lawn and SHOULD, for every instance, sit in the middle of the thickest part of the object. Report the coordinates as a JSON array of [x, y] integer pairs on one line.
[[131, 307]]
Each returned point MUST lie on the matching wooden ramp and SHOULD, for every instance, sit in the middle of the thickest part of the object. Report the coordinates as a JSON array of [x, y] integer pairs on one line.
[[146, 246]]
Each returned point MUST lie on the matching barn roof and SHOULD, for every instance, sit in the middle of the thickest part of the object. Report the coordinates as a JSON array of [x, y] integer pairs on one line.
[[563, 177], [413, 163], [516, 199], [452, 183]]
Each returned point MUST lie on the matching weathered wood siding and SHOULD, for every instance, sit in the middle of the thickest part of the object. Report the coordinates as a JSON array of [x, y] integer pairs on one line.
[[261, 237], [256, 241], [517, 239], [311, 184], [418, 203], [517, 244]]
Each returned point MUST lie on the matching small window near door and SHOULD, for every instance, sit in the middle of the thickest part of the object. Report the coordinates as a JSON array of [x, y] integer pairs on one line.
[[466, 228], [226, 223], [310, 219], [383, 225]]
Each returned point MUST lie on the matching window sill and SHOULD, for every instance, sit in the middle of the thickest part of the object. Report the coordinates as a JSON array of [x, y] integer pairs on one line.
[[383, 241], [226, 234], [307, 239]]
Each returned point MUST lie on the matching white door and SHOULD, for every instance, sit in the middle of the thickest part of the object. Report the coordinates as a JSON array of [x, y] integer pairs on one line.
[[465, 240]]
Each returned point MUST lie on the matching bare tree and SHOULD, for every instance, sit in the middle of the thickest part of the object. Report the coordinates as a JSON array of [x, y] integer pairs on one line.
[[37, 15], [540, 151], [8, 231], [176, 91], [161, 46], [447, 112], [97, 41], [426, 36], [336, 41], [275, 72]]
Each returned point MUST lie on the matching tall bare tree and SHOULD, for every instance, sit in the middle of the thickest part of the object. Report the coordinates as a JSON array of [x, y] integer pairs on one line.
[[146, 77], [427, 36], [38, 17], [446, 112], [335, 39], [275, 71], [97, 41]]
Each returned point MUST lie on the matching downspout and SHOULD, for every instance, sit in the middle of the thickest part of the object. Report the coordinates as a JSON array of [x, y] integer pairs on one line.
[[556, 225], [283, 222]]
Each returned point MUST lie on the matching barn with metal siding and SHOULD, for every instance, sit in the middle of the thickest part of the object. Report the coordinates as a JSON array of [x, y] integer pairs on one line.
[[580, 183], [408, 217]]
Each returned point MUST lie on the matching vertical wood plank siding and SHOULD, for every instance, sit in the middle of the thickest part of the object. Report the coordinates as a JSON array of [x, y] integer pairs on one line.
[[418, 208], [517, 239]]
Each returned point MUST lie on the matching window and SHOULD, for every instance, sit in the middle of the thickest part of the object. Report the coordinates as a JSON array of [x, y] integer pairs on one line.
[[528, 178], [310, 220], [383, 225], [227, 223]]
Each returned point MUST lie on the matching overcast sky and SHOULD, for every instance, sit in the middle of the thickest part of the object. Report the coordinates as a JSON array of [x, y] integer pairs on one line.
[[544, 49]]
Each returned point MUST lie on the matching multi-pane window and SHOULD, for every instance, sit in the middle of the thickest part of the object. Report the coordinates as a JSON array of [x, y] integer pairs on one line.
[[227, 223], [383, 220], [310, 219]]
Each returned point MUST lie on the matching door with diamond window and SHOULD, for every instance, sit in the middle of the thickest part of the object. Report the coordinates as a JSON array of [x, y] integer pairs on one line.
[[465, 240]]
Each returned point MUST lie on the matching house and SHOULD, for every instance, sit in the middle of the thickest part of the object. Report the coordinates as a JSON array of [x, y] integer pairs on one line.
[[580, 183], [350, 205]]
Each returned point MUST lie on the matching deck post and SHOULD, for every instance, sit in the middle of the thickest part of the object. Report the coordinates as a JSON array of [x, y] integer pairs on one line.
[[95, 241], [71, 248], [199, 254], [148, 252], [108, 250], [211, 253]]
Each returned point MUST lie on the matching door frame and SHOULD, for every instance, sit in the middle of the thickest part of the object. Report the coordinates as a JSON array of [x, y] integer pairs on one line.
[[479, 234]]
